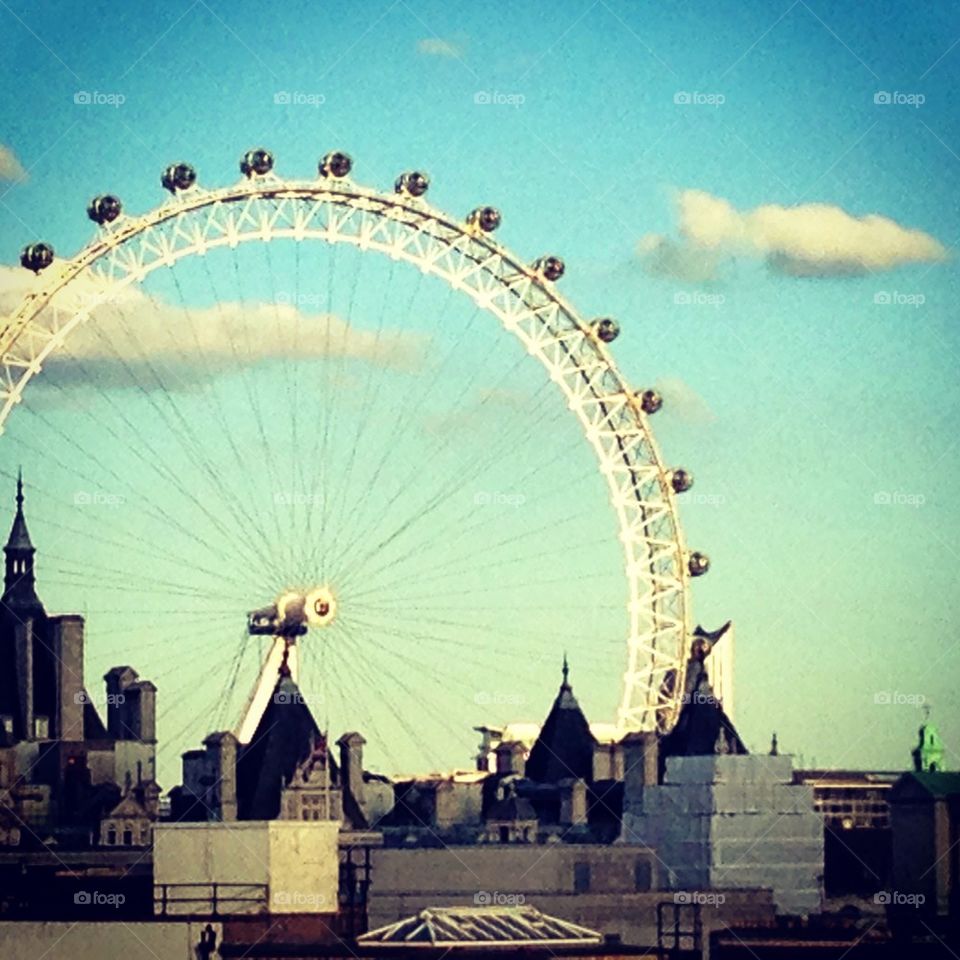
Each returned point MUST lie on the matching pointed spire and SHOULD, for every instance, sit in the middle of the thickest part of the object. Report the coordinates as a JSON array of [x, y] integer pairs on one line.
[[19, 591], [19, 538], [566, 672]]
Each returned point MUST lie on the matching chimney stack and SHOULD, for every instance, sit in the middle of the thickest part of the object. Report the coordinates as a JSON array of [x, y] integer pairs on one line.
[[351, 766], [222, 767], [67, 637], [573, 802], [510, 758]]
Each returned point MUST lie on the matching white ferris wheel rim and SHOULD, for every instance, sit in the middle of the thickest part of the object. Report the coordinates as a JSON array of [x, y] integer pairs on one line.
[[266, 207]]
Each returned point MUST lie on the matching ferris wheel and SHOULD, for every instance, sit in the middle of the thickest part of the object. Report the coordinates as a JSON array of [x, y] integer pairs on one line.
[[273, 423]]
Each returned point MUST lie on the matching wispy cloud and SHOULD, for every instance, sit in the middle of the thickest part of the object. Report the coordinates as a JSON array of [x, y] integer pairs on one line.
[[682, 401], [136, 340], [439, 47], [811, 239], [10, 166]]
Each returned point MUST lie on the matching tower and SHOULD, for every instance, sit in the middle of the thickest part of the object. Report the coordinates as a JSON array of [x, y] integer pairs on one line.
[[19, 584], [928, 753]]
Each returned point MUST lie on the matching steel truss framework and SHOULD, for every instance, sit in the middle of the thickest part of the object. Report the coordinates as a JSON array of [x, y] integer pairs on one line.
[[408, 229]]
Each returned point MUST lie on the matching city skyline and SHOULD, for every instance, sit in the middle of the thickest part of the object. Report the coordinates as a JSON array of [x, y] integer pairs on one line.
[[805, 351]]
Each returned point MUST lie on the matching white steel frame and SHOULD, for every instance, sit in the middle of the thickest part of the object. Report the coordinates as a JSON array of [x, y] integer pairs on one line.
[[409, 229]]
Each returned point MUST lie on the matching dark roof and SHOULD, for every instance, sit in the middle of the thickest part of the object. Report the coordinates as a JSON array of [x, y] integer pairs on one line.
[[512, 808], [702, 722], [565, 746], [937, 785], [283, 739]]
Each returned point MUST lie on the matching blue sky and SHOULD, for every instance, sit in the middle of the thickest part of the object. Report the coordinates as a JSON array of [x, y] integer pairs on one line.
[[803, 402]]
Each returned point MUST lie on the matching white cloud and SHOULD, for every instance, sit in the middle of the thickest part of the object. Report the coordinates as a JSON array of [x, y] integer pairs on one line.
[[811, 239], [681, 400], [10, 166], [127, 336], [438, 47]]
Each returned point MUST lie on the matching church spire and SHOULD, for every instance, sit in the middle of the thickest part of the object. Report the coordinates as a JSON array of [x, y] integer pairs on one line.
[[19, 588]]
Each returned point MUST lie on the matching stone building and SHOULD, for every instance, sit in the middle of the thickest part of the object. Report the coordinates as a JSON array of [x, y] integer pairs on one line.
[[285, 771], [61, 766]]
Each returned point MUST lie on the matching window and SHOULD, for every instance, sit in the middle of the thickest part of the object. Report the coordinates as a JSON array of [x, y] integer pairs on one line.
[[112, 837], [581, 877], [641, 876], [128, 838], [504, 834], [7, 723], [41, 727]]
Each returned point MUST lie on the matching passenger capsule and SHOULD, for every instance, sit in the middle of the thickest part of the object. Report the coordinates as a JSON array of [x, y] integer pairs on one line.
[[681, 480], [486, 219], [412, 184], [550, 268], [606, 329], [336, 165], [650, 401], [256, 163], [698, 564], [178, 176], [104, 209], [36, 256]]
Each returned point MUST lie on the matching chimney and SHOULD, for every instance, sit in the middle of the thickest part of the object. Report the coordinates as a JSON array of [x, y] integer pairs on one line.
[[351, 766], [222, 765], [67, 637], [573, 802], [118, 722], [490, 736], [510, 758], [141, 712], [23, 644]]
